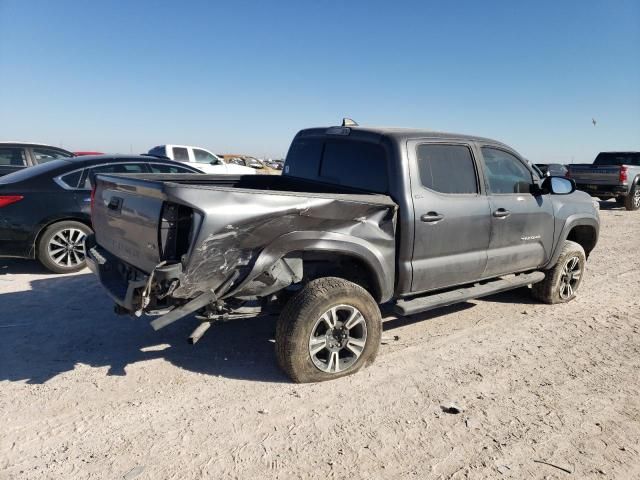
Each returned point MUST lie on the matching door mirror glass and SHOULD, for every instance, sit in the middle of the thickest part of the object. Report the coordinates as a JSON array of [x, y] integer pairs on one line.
[[558, 185]]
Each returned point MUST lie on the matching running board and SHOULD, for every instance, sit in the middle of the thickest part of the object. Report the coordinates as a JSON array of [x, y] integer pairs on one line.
[[429, 302]]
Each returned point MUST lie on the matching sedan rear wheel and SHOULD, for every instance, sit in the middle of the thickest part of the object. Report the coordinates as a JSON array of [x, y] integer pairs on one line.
[[61, 248]]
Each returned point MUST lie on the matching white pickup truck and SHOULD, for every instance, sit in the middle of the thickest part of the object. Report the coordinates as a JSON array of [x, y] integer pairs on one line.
[[201, 159]]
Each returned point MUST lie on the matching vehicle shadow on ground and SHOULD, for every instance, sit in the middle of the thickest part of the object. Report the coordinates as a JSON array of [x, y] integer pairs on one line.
[[68, 320], [610, 205]]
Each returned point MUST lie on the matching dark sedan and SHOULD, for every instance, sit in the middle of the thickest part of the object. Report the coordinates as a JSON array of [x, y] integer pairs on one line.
[[45, 209]]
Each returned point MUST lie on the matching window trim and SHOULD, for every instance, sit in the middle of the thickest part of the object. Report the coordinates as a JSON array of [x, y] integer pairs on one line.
[[179, 165], [479, 183], [510, 152]]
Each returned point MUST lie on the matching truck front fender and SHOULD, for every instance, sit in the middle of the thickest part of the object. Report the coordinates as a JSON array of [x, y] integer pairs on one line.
[[575, 220], [379, 258]]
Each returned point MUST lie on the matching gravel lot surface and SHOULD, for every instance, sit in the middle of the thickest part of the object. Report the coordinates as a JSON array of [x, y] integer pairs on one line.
[[87, 394]]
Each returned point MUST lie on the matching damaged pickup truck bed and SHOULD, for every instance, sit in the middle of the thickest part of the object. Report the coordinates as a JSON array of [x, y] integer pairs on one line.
[[361, 219]]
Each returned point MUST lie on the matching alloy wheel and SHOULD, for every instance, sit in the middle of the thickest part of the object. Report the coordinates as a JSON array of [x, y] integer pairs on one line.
[[570, 277], [66, 247], [338, 339]]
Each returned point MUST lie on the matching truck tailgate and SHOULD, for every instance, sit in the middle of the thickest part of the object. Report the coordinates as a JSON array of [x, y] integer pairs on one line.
[[595, 174], [126, 215]]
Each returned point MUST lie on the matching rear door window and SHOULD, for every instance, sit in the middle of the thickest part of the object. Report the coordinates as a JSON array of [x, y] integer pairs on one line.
[[72, 179], [43, 155], [164, 168], [114, 168], [12, 156], [180, 154], [447, 168]]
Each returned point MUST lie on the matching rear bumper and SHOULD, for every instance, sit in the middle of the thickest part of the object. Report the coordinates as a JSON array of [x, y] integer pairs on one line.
[[596, 190], [123, 283]]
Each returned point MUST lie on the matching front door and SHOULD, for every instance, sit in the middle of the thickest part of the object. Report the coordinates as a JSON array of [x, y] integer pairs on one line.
[[522, 225], [451, 215]]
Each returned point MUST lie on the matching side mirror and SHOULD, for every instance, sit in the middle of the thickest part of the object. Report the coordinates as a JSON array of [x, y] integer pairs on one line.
[[558, 185]]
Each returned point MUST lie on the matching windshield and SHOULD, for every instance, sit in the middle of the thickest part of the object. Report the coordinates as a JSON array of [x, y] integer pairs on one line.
[[29, 172], [617, 159]]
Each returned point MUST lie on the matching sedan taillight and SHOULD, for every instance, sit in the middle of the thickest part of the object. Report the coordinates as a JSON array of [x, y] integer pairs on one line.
[[9, 199]]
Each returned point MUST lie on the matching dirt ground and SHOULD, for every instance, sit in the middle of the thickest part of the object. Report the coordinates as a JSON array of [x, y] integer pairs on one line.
[[87, 394]]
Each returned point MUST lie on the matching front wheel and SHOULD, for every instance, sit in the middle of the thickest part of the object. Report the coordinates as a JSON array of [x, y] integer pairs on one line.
[[330, 329], [61, 247], [563, 280]]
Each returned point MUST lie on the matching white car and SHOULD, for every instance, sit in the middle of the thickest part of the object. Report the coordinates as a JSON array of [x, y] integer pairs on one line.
[[201, 159]]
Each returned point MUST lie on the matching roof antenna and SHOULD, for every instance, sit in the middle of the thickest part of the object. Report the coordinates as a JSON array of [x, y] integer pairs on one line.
[[347, 122]]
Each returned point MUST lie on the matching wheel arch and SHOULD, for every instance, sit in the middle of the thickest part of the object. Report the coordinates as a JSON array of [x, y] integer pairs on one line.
[[348, 251], [582, 230], [43, 227]]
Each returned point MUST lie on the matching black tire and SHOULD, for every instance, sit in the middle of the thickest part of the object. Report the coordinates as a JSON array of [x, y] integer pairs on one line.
[[632, 200], [553, 289], [53, 257], [304, 314]]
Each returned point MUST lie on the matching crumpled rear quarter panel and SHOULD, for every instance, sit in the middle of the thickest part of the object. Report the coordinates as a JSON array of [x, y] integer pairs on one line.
[[238, 224]]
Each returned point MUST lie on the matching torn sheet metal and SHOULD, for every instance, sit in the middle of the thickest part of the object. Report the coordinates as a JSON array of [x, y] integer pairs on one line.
[[240, 226]]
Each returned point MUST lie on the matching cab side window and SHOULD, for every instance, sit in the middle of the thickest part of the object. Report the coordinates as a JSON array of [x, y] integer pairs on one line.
[[180, 154], [447, 168], [203, 156], [505, 173]]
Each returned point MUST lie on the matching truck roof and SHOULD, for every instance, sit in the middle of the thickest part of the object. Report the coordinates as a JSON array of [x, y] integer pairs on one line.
[[398, 133]]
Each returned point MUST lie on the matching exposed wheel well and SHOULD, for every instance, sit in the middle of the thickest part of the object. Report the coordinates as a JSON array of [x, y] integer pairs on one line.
[[585, 235], [318, 264]]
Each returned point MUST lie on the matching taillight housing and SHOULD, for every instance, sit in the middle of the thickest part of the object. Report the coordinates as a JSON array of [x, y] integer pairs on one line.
[[9, 199], [624, 174]]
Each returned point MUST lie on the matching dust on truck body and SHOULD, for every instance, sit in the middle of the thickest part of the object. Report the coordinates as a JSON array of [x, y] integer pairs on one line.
[[362, 220]]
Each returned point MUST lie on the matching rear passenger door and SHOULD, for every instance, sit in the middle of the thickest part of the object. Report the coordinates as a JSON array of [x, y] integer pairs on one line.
[[521, 224], [451, 215]]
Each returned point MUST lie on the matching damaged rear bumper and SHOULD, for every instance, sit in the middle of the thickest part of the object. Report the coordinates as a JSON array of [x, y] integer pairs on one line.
[[123, 283]]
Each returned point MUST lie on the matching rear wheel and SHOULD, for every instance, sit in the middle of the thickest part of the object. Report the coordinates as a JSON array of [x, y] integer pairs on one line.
[[61, 247], [632, 201], [563, 280], [330, 329]]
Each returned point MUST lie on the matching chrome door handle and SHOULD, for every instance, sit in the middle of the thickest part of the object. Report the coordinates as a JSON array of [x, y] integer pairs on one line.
[[501, 213], [431, 217]]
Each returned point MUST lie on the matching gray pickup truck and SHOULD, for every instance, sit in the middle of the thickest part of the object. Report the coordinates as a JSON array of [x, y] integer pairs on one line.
[[362, 220], [612, 175]]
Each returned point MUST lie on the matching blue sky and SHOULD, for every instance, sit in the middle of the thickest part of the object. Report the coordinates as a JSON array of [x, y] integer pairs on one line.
[[243, 76]]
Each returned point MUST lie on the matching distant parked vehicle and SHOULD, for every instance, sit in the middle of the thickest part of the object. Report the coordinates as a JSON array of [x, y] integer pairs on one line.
[[81, 154], [612, 175], [44, 210], [275, 164], [15, 156], [247, 162], [552, 169], [200, 158]]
